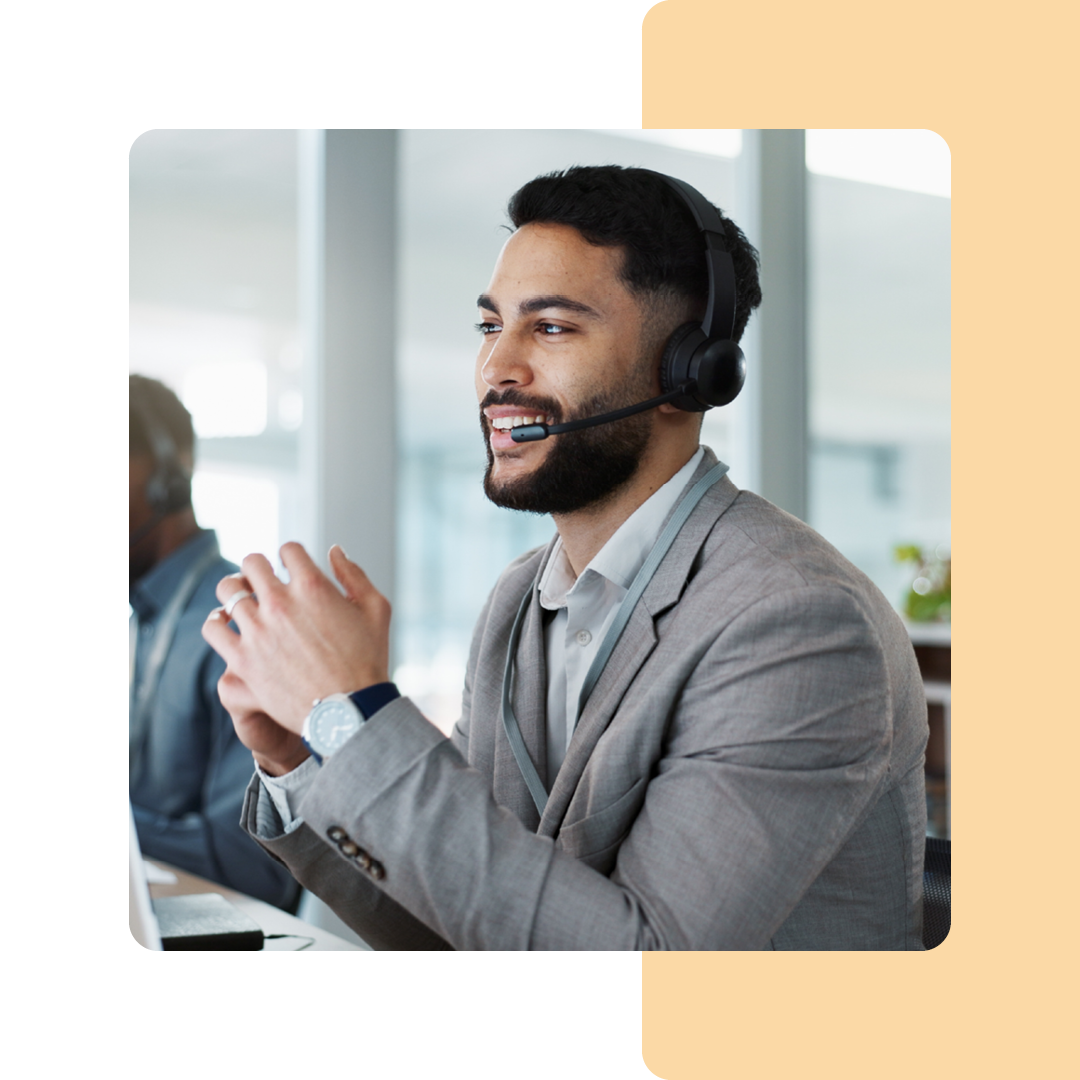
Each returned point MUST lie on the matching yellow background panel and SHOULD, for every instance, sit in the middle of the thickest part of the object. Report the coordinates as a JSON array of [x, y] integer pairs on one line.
[[998, 83]]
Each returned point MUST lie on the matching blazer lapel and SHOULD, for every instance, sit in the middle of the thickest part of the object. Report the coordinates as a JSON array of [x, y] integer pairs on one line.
[[530, 707], [636, 644]]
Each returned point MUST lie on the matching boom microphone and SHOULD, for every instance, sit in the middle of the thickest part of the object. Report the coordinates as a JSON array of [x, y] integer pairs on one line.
[[536, 432]]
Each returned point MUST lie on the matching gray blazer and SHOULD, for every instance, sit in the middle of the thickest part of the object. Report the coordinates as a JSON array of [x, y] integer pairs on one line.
[[747, 774]]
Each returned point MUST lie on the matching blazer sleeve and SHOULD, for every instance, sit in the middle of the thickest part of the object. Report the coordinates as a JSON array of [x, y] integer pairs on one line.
[[777, 745], [310, 856], [381, 922]]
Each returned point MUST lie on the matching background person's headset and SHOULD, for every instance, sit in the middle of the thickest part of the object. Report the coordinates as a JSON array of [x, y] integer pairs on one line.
[[701, 367], [169, 486]]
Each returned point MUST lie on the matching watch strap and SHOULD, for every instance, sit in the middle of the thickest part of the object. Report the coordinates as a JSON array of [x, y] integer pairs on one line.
[[372, 698]]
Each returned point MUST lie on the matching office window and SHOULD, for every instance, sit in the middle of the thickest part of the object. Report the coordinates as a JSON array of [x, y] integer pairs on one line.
[[214, 316], [879, 354]]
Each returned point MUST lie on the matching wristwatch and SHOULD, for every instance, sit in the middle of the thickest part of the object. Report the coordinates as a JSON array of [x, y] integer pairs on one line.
[[335, 718]]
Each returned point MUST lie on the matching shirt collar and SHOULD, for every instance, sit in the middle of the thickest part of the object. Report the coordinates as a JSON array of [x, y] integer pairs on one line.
[[625, 552], [152, 591]]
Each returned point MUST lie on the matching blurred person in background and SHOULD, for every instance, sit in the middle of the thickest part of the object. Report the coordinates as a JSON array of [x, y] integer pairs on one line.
[[187, 769]]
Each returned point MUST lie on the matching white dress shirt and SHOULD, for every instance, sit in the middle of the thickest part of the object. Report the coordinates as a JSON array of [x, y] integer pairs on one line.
[[584, 609]]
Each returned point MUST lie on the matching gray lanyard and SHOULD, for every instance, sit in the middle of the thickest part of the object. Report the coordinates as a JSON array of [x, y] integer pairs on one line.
[[611, 638], [164, 632]]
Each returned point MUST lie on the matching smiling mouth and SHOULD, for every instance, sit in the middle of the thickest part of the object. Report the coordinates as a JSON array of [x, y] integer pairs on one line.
[[506, 423]]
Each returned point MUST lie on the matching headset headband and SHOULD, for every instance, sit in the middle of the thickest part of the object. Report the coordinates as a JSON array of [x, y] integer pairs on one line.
[[719, 320], [169, 487], [162, 444]]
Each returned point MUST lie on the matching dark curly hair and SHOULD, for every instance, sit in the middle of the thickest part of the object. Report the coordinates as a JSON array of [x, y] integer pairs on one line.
[[611, 205]]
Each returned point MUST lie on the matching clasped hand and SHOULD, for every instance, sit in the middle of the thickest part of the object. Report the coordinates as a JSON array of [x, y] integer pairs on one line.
[[297, 642]]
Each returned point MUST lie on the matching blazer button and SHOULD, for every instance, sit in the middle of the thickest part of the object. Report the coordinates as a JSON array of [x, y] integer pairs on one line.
[[350, 848], [364, 859], [336, 833], [376, 870]]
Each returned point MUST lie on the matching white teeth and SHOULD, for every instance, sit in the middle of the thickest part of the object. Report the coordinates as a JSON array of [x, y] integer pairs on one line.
[[505, 423]]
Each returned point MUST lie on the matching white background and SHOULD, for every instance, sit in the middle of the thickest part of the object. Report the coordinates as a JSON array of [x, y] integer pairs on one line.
[[79, 83]]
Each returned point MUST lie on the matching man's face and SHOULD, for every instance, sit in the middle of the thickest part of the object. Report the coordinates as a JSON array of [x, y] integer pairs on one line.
[[562, 340]]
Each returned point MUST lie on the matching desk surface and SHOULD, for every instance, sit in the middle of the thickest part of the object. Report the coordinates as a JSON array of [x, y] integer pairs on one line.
[[273, 920]]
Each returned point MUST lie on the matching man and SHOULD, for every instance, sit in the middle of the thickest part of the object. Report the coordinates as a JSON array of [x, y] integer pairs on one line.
[[745, 769], [188, 770]]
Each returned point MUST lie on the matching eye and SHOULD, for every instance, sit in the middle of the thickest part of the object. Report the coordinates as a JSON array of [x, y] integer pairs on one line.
[[551, 329], [486, 328]]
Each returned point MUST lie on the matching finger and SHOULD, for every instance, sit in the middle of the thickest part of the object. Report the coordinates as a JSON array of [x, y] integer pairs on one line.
[[354, 581], [238, 602], [299, 563], [216, 633], [358, 587], [228, 585], [260, 573]]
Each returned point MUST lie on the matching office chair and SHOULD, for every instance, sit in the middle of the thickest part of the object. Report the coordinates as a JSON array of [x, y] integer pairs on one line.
[[937, 892]]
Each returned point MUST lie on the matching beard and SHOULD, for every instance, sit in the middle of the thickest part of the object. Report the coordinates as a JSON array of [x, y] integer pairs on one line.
[[583, 468]]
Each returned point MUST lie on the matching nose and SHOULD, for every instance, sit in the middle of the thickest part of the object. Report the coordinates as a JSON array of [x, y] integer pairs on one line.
[[504, 364]]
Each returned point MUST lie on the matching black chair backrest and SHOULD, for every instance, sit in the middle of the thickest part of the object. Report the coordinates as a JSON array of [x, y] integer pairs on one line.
[[937, 892]]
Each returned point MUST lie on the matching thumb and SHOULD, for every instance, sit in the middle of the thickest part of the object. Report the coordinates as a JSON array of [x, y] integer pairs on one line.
[[353, 580]]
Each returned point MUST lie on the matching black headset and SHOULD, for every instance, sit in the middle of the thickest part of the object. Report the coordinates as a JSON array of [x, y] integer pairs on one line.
[[702, 356], [169, 486]]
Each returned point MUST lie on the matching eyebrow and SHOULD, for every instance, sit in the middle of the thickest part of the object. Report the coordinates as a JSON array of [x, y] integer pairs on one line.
[[541, 303]]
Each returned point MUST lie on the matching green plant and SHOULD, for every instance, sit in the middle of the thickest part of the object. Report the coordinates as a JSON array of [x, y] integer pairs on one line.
[[929, 597]]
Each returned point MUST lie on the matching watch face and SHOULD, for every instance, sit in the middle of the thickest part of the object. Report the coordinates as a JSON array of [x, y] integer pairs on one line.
[[332, 722]]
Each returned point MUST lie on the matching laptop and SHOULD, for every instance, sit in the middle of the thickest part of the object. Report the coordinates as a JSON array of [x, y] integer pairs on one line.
[[141, 918], [191, 923]]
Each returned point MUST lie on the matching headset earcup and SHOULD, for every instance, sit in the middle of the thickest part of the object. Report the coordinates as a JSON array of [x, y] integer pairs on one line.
[[157, 494], [717, 368], [676, 363], [720, 370], [169, 489]]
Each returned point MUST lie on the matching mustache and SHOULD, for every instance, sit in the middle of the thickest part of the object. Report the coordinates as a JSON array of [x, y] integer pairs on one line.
[[540, 405]]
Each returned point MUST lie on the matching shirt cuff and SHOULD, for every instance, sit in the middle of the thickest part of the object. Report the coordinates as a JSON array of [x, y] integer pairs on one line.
[[288, 791]]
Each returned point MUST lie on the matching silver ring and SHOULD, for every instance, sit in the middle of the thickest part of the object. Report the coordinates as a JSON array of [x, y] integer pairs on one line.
[[234, 600]]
